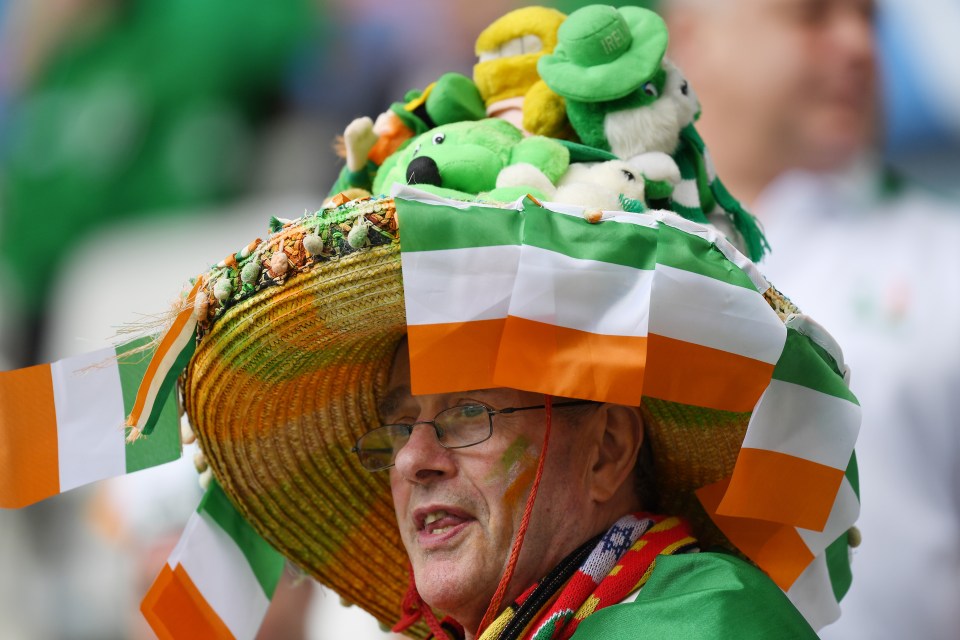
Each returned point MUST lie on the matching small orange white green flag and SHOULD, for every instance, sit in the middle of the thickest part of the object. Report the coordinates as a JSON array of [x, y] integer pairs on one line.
[[218, 582], [62, 424]]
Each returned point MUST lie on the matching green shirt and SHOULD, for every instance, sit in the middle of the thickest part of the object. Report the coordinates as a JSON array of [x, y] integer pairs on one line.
[[701, 596]]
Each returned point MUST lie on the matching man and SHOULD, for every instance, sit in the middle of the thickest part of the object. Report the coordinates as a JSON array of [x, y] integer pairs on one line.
[[789, 91]]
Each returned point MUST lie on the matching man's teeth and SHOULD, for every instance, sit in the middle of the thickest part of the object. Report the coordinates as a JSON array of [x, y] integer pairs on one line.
[[433, 517]]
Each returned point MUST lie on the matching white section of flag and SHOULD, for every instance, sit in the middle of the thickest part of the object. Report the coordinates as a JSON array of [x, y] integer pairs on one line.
[[721, 316], [587, 295], [812, 594], [459, 285], [805, 423], [90, 435], [222, 574]]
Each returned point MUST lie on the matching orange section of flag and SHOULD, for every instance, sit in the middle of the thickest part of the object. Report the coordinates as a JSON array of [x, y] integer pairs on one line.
[[692, 374], [776, 548], [768, 485], [545, 358], [29, 460], [455, 356], [176, 610]]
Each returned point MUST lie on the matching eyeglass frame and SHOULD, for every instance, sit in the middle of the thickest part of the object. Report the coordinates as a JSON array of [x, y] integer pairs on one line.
[[437, 431]]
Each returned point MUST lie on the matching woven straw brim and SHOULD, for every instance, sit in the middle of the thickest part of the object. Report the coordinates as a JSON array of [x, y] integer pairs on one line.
[[285, 380], [278, 392]]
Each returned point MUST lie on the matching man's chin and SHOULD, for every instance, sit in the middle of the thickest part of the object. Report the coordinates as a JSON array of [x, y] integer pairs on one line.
[[453, 586]]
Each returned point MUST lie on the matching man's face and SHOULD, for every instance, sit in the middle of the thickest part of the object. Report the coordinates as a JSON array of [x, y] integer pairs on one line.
[[458, 510], [799, 73]]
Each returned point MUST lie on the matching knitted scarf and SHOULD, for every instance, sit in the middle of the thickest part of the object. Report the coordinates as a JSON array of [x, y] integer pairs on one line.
[[602, 572]]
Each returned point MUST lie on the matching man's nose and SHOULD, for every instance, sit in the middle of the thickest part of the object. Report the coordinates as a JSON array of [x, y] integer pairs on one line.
[[422, 458]]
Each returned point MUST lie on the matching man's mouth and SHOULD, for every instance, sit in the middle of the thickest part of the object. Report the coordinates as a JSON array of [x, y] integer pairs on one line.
[[437, 521], [435, 517]]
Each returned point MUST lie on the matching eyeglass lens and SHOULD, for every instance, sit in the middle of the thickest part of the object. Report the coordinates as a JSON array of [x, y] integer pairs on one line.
[[460, 426]]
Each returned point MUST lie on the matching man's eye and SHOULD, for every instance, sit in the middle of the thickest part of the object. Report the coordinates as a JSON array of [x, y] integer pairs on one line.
[[472, 410]]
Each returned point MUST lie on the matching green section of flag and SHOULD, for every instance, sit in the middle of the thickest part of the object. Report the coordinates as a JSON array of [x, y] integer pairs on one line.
[[163, 445], [853, 474], [692, 253], [622, 243], [838, 553], [802, 363], [432, 227], [265, 561], [838, 566]]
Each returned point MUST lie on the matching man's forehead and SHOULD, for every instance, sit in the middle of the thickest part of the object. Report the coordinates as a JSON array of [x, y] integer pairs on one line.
[[399, 395]]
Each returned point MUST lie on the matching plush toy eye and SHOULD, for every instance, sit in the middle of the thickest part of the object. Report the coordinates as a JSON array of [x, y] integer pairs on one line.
[[628, 175], [684, 88], [650, 89], [439, 138]]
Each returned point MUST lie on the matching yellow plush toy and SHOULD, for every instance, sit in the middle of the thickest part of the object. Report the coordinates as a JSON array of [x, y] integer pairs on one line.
[[506, 71]]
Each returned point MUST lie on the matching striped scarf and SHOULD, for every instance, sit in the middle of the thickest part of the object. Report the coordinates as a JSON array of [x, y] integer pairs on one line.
[[602, 572]]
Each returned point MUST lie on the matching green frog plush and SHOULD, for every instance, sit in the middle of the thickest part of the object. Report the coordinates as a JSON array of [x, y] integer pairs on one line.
[[624, 100], [489, 158]]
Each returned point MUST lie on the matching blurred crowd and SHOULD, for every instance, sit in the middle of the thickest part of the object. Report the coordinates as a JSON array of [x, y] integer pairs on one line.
[[139, 139]]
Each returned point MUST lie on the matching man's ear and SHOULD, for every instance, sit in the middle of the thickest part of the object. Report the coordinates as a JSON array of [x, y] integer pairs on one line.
[[620, 432]]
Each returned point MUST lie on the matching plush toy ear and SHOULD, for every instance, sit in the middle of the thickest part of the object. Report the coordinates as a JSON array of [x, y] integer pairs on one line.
[[454, 98]]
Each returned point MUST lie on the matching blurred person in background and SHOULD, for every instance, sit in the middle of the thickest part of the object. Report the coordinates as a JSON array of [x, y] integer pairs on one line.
[[117, 110], [790, 96]]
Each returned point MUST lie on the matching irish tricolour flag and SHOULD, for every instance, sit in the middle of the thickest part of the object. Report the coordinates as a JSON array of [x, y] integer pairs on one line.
[[535, 297], [62, 424], [539, 299], [218, 582]]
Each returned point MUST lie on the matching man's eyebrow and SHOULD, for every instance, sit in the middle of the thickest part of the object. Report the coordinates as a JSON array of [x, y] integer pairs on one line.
[[391, 402]]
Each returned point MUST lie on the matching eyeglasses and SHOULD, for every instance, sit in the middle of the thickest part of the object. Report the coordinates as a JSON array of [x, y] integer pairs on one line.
[[457, 427]]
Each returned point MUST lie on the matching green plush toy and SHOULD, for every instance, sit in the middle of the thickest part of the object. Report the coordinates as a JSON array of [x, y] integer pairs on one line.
[[490, 159], [625, 101]]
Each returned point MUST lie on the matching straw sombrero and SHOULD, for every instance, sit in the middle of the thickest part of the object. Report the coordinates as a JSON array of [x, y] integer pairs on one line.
[[296, 335]]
